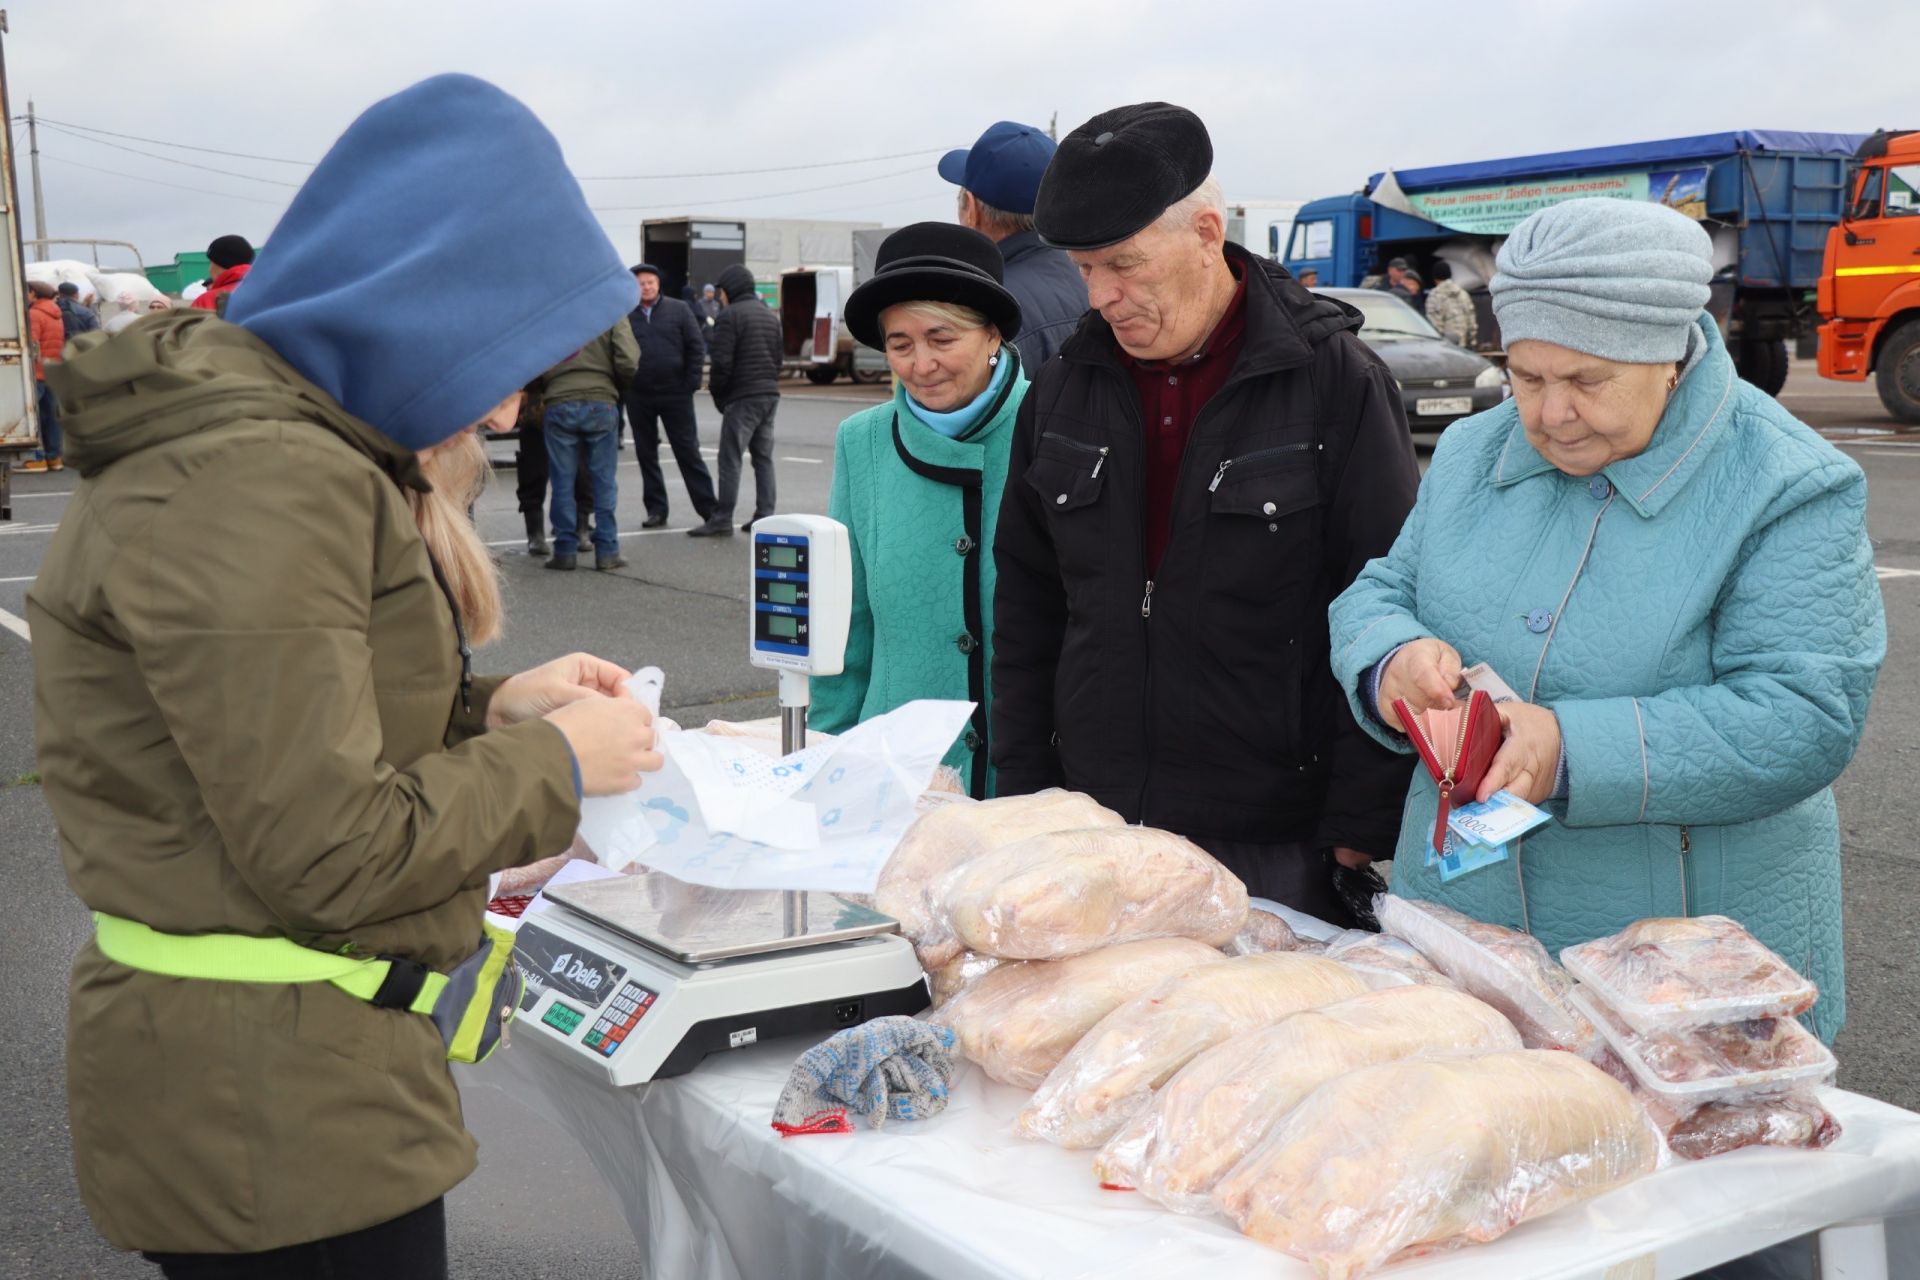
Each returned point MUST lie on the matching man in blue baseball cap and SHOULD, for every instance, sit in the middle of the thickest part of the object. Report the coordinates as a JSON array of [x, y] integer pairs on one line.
[[998, 177]]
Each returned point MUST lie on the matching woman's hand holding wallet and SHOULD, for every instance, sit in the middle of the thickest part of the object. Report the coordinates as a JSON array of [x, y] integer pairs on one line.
[[1529, 756], [1423, 674]]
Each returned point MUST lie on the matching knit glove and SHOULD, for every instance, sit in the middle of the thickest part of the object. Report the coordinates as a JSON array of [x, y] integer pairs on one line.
[[893, 1068]]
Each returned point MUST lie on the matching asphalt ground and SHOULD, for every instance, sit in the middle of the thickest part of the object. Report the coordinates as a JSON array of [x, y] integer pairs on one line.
[[536, 1208]]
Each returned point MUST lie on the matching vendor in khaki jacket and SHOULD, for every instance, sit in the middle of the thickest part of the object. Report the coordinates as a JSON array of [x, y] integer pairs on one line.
[[918, 482], [1209, 460], [1672, 573], [252, 710]]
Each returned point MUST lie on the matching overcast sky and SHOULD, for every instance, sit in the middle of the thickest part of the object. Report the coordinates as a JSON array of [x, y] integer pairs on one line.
[[1302, 100]]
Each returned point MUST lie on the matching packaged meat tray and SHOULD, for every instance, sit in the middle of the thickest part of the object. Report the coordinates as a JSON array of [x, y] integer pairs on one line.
[[1715, 1063], [1667, 974], [1509, 970]]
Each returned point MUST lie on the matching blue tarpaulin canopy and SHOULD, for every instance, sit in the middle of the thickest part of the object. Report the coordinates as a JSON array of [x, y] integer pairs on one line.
[[1639, 155]]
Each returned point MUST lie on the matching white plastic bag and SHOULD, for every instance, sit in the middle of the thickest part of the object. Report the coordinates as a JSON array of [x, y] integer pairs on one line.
[[721, 813]]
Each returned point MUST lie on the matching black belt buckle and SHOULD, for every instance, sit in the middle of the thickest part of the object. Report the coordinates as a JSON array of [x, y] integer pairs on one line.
[[402, 984]]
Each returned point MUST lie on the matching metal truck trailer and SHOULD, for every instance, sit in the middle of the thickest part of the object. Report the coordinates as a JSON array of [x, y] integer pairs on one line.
[[1768, 200]]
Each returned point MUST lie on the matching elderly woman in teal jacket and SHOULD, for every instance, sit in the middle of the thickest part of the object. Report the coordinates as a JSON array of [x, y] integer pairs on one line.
[[1674, 576], [917, 482]]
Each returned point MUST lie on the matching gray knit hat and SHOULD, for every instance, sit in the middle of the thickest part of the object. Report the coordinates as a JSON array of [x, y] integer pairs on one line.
[[1619, 279]]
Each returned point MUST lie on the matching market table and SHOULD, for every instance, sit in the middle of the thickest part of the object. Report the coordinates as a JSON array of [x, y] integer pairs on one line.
[[712, 1192]]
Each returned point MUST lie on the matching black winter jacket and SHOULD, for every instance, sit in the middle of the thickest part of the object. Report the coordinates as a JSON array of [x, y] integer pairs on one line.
[[746, 348], [1051, 294], [673, 349], [1202, 701]]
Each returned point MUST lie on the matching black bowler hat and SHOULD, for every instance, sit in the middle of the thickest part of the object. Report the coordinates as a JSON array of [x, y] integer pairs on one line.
[[933, 262], [1119, 171]]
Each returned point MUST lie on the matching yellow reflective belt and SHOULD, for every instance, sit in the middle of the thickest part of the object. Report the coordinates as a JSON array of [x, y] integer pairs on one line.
[[1877, 271], [229, 957]]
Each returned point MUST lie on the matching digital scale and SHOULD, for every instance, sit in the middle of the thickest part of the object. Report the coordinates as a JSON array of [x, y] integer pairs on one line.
[[640, 977]]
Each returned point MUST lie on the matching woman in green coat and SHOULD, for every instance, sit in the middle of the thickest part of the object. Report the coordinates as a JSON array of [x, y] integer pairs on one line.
[[917, 482]]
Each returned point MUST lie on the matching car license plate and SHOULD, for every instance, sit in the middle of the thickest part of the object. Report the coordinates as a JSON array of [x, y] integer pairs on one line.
[[1436, 405]]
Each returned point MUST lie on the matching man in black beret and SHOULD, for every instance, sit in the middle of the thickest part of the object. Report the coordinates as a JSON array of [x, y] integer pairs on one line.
[[1211, 460], [673, 354]]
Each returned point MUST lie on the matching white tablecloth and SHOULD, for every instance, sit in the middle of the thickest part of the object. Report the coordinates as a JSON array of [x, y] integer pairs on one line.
[[712, 1192]]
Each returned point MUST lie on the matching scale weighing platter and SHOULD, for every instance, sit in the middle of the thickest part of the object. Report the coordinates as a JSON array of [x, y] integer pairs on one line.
[[695, 924], [641, 977]]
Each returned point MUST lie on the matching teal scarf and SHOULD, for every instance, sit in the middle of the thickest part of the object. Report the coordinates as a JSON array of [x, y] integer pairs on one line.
[[957, 422]]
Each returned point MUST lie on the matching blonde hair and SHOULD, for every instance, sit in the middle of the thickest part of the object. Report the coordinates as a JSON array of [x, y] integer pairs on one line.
[[947, 313], [458, 471]]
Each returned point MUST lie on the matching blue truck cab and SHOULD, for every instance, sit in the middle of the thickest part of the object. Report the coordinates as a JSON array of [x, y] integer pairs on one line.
[[1766, 198]]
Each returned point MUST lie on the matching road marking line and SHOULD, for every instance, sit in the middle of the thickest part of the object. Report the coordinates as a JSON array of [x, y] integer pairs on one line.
[[58, 493], [625, 533], [16, 625], [1886, 573], [29, 578], [7, 531], [1893, 453], [812, 462]]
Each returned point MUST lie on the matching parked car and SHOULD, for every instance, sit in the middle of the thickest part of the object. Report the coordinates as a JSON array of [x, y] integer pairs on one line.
[[1439, 382]]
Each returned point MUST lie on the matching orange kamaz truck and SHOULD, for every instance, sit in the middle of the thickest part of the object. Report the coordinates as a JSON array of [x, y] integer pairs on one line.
[[1869, 292]]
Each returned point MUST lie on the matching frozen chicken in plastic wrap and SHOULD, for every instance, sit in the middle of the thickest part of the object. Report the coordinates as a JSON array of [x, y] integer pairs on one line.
[[1112, 1073], [1067, 892], [1385, 961], [1508, 969], [959, 973], [1670, 973], [954, 834], [1019, 1020], [1408, 1157], [1264, 932], [1210, 1115]]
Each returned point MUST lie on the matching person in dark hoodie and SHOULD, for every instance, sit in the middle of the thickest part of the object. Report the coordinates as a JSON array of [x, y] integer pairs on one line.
[[278, 786], [745, 382], [1210, 460]]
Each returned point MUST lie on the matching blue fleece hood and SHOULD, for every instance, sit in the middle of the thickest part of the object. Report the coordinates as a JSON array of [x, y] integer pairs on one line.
[[440, 257]]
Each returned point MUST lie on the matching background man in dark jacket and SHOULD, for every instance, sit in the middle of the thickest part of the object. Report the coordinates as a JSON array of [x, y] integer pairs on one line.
[[745, 382], [998, 177], [1211, 459], [673, 351], [75, 315]]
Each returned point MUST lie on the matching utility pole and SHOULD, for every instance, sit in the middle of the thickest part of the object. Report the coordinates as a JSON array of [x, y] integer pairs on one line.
[[39, 204], [1053, 125]]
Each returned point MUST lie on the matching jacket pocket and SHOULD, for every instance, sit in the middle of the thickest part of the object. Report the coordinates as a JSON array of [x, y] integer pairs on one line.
[[1263, 542], [1068, 474]]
